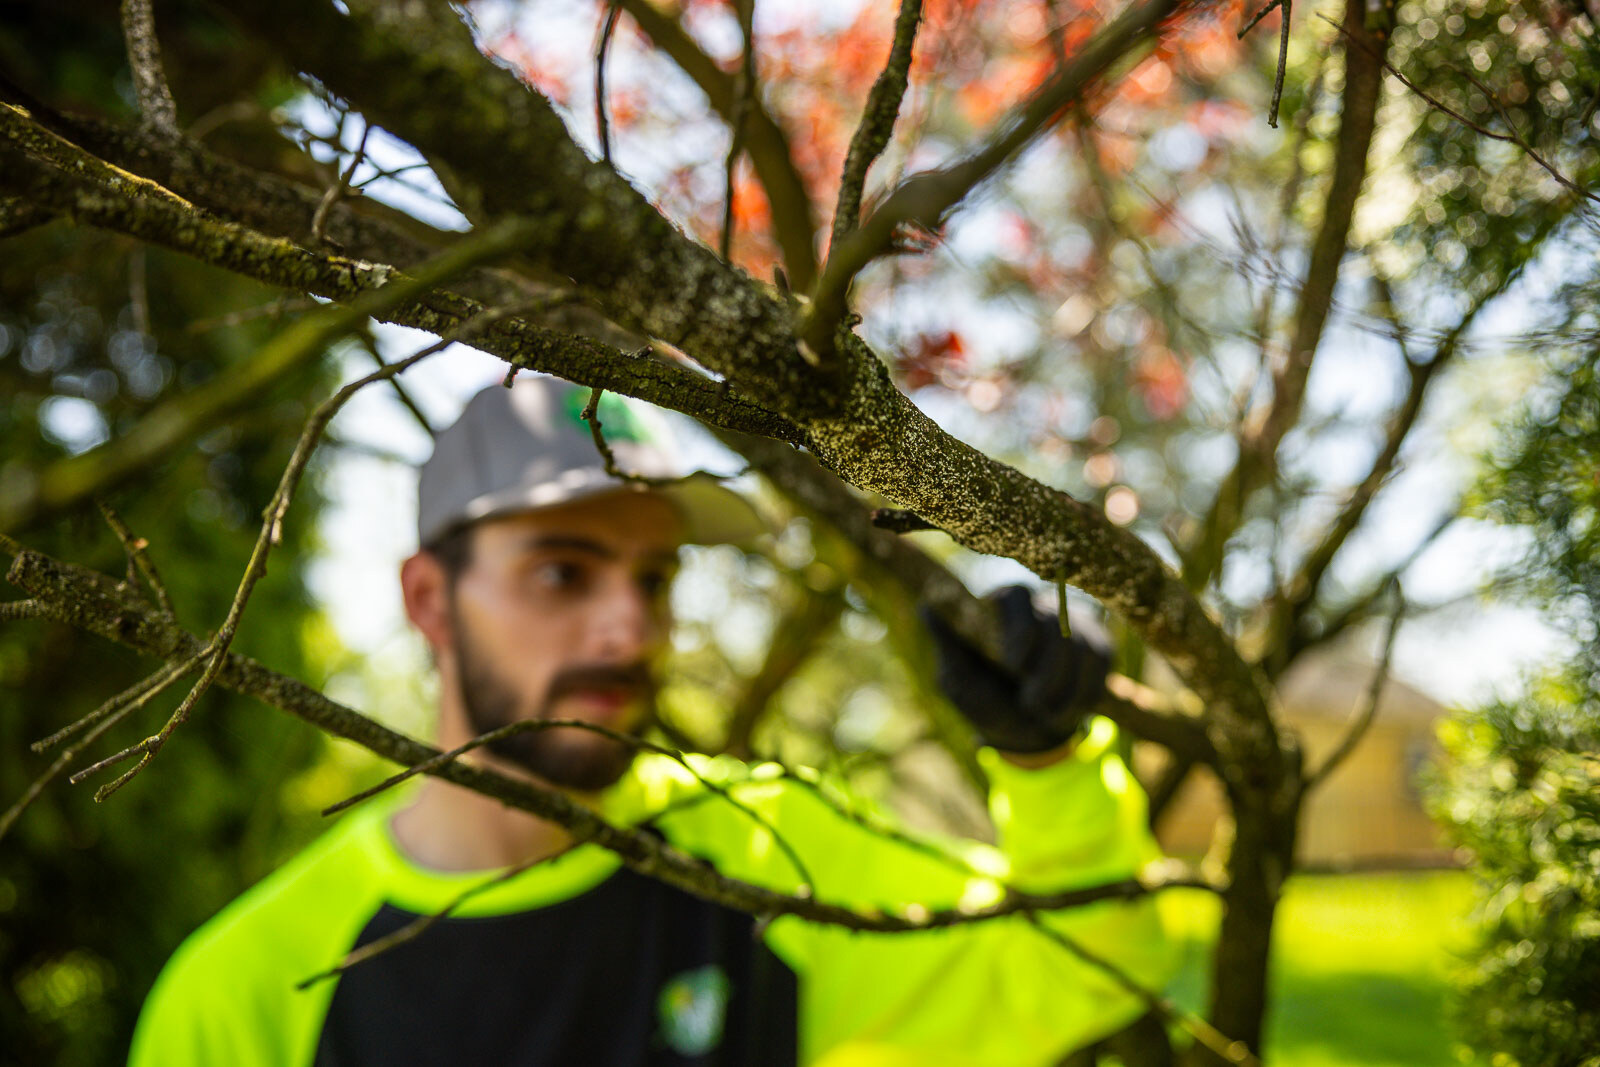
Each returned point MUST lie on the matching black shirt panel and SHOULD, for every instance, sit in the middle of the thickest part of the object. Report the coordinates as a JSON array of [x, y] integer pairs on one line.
[[631, 972]]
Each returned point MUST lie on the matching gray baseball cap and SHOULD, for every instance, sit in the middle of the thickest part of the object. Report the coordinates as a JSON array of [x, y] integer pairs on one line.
[[528, 447]]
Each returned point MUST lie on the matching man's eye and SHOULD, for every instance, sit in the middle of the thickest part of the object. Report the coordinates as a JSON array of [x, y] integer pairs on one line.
[[558, 576], [654, 583]]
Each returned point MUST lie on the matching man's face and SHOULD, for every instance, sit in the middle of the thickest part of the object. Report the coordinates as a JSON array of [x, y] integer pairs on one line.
[[562, 614]]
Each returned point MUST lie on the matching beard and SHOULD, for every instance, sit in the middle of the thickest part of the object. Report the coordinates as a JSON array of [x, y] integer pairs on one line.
[[565, 756]]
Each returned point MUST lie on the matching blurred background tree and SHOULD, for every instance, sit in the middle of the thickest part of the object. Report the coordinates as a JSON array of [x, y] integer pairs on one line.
[[1521, 786]]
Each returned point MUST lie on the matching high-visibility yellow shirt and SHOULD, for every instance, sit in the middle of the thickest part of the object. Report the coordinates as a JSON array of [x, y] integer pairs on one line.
[[997, 992]]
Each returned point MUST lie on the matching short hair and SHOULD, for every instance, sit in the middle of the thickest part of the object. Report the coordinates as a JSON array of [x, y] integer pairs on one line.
[[453, 550]]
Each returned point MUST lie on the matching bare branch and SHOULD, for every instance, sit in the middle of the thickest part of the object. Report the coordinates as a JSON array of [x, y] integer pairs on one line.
[[1283, 52], [138, 558], [929, 583], [97, 722], [144, 56], [877, 122], [602, 50], [1300, 592], [1257, 462], [1204, 1033], [744, 91], [101, 605], [1362, 719], [271, 534], [1360, 607], [370, 345], [793, 222], [807, 883], [76, 478], [591, 415], [338, 191], [926, 198]]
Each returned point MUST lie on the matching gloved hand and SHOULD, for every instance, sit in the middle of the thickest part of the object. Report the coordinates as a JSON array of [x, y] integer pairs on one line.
[[1038, 696]]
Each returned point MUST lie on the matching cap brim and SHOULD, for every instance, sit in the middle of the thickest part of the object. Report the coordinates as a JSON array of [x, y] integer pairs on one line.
[[712, 513]]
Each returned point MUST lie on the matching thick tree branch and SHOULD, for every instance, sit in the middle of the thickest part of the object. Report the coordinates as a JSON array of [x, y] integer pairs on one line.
[[1257, 462], [929, 583], [793, 219], [877, 122], [415, 69], [77, 478], [103, 606], [167, 221]]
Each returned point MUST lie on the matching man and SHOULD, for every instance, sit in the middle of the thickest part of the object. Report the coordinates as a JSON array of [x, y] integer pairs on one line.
[[541, 590]]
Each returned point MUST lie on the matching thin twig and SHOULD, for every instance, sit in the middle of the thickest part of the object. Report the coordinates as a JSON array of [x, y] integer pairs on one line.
[[1361, 606], [1283, 53], [591, 415], [538, 725], [1236, 1052], [100, 719], [602, 49], [877, 121], [744, 91], [423, 923], [156, 108], [370, 344], [926, 198], [337, 191], [1362, 719], [216, 650], [1514, 136], [138, 557]]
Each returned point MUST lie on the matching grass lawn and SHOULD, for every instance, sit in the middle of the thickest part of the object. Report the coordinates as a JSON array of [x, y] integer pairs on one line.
[[1361, 967]]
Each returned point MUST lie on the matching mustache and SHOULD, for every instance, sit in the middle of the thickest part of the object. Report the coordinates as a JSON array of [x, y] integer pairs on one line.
[[634, 677]]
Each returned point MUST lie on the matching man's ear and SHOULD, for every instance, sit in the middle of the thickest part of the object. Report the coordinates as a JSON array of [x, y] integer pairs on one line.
[[425, 587]]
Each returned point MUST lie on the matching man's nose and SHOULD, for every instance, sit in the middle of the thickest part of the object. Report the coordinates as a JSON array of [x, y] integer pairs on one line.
[[628, 625]]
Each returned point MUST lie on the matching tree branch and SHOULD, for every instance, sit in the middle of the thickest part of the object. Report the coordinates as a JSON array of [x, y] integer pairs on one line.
[[1360, 607], [929, 583], [867, 433], [793, 220], [144, 57], [926, 198], [1300, 592], [1362, 719], [1257, 462], [877, 122], [376, 290], [100, 605]]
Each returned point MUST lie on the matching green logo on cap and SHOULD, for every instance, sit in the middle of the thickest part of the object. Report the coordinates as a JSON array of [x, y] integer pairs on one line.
[[617, 420]]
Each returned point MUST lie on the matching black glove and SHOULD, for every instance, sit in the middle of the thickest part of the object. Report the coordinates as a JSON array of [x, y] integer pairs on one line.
[[1038, 696]]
